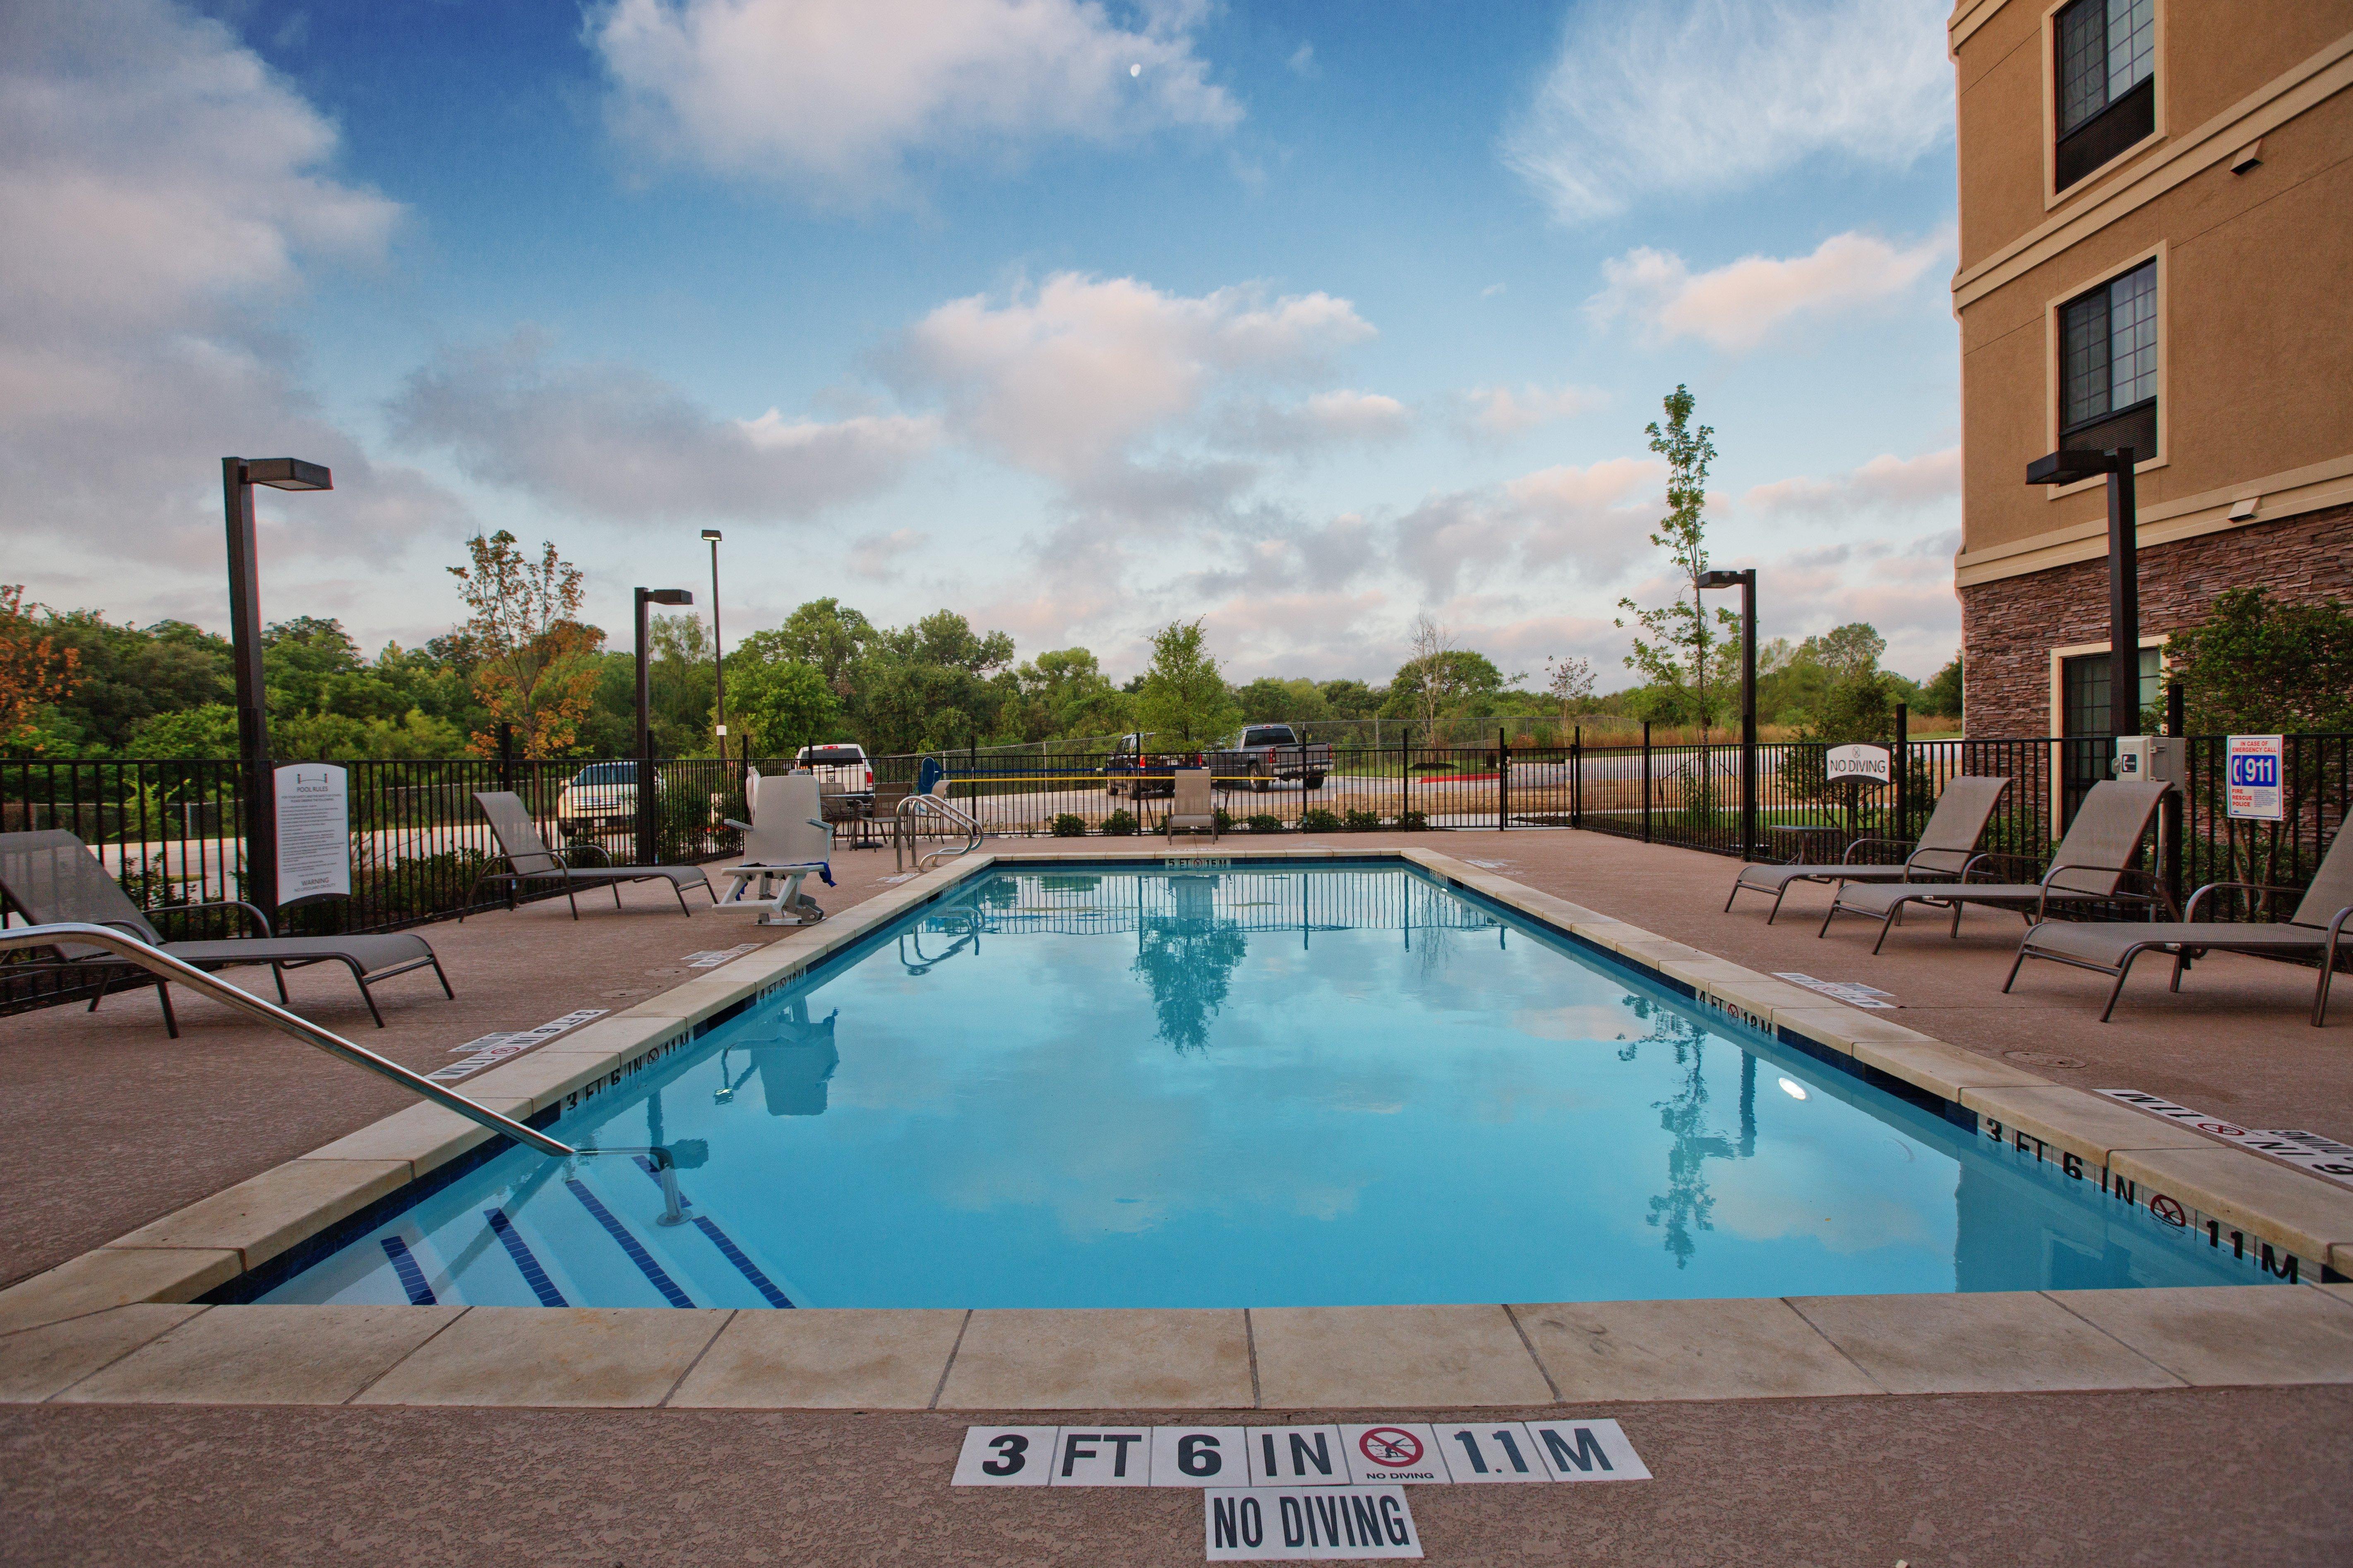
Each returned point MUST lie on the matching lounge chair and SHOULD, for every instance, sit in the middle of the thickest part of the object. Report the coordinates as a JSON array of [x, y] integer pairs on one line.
[[2316, 930], [1193, 810], [786, 840], [1946, 849], [2088, 867], [529, 859], [51, 877]]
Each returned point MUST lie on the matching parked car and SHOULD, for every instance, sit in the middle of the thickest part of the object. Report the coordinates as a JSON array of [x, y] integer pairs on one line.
[[842, 770], [1265, 753], [1137, 773], [600, 799]]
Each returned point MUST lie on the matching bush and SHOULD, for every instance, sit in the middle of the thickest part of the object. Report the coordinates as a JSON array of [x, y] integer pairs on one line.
[[1317, 819], [1264, 822], [1223, 818], [1414, 822], [1069, 825], [1120, 824], [1364, 822]]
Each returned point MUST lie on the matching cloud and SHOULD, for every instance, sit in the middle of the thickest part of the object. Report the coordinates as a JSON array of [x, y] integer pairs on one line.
[[841, 97], [1887, 482], [163, 194], [1102, 384], [1738, 305], [1591, 521], [1303, 62], [876, 556], [610, 441], [1682, 97], [1499, 411]]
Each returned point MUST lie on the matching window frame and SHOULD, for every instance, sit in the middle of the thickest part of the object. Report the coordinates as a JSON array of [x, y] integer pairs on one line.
[[2053, 195], [2054, 370]]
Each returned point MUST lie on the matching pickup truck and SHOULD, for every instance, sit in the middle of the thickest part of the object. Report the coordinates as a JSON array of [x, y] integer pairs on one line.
[[1264, 753], [1137, 773]]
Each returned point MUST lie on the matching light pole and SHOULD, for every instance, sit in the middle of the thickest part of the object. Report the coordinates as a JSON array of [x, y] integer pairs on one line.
[[1746, 581], [2124, 570], [646, 788], [718, 657], [259, 884]]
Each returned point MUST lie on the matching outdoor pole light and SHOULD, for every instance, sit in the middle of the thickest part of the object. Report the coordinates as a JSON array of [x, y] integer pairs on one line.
[[259, 884], [1746, 581], [2124, 570], [718, 655], [646, 786]]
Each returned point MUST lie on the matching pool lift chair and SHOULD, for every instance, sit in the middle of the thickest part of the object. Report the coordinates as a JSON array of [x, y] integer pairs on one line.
[[2088, 869], [2318, 931], [787, 841], [529, 859], [1946, 850], [52, 879]]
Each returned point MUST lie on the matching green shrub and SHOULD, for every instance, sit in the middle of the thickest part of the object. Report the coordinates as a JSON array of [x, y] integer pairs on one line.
[[1414, 822], [1120, 824], [1069, 825], [1264, 822], [1223, 818], [1364, 822], [1317, 819]]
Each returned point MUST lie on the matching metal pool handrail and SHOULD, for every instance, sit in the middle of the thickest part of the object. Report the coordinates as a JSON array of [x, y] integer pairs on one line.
[[938, 805], [163, 966]]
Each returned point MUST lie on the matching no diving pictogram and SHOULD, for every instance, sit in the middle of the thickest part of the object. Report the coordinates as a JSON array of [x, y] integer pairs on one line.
[[2167, 1209], [1392, 1447]]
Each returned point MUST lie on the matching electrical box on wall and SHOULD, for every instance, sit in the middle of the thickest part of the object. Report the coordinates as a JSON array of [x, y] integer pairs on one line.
[[2149, 757]]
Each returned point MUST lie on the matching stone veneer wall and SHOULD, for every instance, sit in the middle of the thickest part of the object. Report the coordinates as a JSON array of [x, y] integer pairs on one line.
[[2008, 627]]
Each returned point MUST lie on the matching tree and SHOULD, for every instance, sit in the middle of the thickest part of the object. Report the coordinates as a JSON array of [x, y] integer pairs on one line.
[[823, 633], [34, 671], [1677, 652], [1569, 683], [1441, 681], [1942, 694], [1270, 698], [2255, 667], [929, 686], [1352, 698], [1063, 693], [779, 707], [1184, 697], [537, 664]]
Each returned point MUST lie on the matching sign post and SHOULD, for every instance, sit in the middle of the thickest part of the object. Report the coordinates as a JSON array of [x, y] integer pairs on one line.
[[2253, 778], [313, 816]]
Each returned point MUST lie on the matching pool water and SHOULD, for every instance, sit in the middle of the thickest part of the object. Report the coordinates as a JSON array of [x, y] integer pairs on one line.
[[1349, 1084]]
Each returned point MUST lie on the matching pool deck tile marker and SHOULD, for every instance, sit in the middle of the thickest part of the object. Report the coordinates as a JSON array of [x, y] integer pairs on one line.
[[1408, 1357], [268, 1355], [2217, 1338], [115, 1276], [2304, 1214], [412, 1278], [1980, 1342], [1758, 1348], [2072, 1121], [262, 1216], [37, 1363], [1073, 1358], [526, 1261], [828, 1359], [579, 1357], [629, 1245]]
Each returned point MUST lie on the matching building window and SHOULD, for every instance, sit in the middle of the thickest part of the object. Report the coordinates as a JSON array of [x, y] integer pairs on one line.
[[2108, 366], [2107, 81], [2086, 722]]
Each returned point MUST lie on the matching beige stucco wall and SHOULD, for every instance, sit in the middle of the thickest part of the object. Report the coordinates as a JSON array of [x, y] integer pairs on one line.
[[2257, 268]]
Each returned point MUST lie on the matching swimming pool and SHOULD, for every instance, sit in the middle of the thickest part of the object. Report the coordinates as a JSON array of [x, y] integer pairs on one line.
[[1334, 1084]]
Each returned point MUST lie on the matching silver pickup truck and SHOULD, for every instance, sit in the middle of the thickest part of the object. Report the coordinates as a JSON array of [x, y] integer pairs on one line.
[[1264, 753]]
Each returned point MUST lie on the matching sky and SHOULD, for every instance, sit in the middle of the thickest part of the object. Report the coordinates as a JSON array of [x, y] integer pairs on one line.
[[1075, 318]]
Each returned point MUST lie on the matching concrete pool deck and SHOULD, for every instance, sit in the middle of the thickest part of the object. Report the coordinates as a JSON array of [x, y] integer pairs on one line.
[[76, 1335]]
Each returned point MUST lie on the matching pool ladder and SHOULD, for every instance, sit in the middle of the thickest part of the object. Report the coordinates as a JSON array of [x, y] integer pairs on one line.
[[911, 812], [165, 967]]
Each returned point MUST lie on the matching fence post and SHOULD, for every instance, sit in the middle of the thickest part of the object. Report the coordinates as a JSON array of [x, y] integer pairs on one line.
[[1646, 781], [1405, 771], [1502, 781], [1577, 777], [2169, 809], [1902, 771], [506, 756]]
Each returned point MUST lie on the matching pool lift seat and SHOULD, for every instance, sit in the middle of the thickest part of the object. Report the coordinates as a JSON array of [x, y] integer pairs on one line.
[[786, 841]]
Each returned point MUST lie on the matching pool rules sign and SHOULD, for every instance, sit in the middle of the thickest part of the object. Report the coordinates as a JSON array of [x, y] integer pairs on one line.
[[314, 832], [1301, 1493]]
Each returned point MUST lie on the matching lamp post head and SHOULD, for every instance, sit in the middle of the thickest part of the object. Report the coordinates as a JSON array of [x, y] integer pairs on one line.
[[1720, 579], [288, 474], [711, 534], [666, 595], [2067, 467]]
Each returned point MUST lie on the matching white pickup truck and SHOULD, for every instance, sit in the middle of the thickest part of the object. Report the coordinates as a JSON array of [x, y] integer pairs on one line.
[[841, 769]]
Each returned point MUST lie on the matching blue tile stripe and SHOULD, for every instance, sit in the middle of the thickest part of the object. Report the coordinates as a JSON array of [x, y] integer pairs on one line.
[[637, 1254], [520, 1250], [412, 1278], [726, 1246]]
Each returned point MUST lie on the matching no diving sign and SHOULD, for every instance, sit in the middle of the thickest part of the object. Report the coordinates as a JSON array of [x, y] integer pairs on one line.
[[1301, 1492]]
